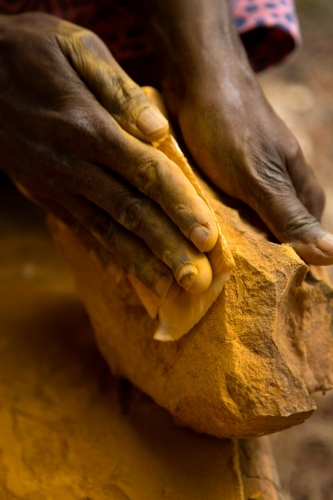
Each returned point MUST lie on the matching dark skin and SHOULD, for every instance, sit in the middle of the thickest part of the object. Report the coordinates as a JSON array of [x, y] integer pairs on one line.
[[229, 127], [73, 141], [75, 133]]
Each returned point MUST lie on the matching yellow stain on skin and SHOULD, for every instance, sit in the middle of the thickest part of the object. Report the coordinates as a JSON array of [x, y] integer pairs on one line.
[[256, 496]]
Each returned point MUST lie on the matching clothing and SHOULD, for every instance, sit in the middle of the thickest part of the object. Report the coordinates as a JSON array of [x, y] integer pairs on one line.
[[269, 28]]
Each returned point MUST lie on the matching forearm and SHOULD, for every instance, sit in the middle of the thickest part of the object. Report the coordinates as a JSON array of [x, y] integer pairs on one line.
[[195, 41], [199, 50]]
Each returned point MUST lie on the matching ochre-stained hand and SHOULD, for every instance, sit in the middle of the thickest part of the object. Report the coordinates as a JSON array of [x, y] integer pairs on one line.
[[74, 135], [231, 131], [245, 148]]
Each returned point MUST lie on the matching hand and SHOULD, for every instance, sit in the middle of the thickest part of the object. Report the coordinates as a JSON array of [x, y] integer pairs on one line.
[[229, 127], [247, 151], [74, 135]]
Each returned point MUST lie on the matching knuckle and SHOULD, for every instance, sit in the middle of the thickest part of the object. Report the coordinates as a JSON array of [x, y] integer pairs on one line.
[[147, 175], [127, 95], [103, 228], [297, 224], [187, 213], [262, 178], [79, 37], [146, 267], [293, 150], [88, 36], [131, 213], [79, 119], [94, 46], [269, 168]]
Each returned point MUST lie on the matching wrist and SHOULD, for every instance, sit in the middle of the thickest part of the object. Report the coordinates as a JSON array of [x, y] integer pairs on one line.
[[226, 80], [196, 45]]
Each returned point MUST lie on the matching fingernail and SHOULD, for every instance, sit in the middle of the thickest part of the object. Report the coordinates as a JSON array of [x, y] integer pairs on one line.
[[187, 275], [162, 285], [325, 244], [151, 121], [199, 235]]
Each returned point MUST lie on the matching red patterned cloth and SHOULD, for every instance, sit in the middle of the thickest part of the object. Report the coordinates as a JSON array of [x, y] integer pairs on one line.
[[269, 28]]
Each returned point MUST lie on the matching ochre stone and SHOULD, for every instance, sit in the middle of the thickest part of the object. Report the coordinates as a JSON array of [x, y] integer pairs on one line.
[[246, 369]]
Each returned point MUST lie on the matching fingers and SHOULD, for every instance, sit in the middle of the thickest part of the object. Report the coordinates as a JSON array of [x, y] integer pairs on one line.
[[161, 180], [291, 222], [88, 241], [310, 193], [145, 219], [108, 240], [141, 165], [145, 168], [129, 251], [112, 87]]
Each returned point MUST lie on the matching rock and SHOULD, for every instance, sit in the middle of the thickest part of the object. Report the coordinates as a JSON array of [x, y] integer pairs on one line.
[[246, 369], [69, 430]]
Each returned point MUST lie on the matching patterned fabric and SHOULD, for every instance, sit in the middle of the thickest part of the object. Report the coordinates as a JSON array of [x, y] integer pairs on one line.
[[268, 28], [250, 14]]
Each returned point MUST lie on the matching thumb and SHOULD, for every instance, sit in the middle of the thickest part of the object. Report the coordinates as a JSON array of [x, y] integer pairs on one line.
[[112, 87], [292, 223]]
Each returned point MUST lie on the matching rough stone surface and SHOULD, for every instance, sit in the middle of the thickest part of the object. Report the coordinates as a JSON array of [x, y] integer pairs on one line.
[[247, 367]]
